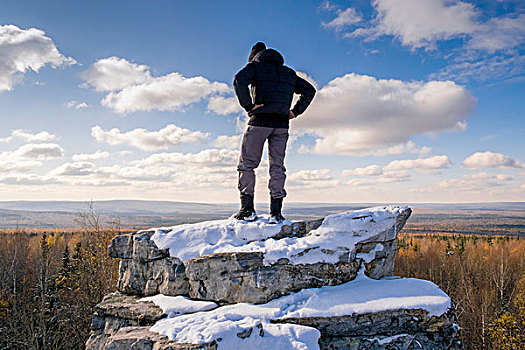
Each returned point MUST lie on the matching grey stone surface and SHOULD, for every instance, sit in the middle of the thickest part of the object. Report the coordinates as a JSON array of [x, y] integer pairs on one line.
[[133, 338], [243, 277], [383, 263], [141, 338], [122, 322], [388, 322], [117, 311], [394, 329], [415, 341], [146, 270], [166, 276]]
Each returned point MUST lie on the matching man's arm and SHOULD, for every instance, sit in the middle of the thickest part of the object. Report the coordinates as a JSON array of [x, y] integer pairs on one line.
[[240, 83], [307, 92]]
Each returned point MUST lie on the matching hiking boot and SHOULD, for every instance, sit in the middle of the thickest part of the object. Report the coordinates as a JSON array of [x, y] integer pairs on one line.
[[247, 211], [276, 206]]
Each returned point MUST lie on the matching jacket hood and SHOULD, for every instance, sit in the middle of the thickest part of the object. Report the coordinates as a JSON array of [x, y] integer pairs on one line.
[[270, 56]]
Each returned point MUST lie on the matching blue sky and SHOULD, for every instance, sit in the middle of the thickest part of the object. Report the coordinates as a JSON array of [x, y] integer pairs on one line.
[[418, 100]]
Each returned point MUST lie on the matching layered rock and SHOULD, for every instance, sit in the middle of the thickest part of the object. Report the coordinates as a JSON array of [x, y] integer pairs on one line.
[[238, 276], [117, 311], [301, 276]]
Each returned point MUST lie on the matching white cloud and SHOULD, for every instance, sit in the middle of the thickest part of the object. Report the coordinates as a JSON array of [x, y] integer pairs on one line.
[[395, 171], [132, 88], [499, 33], [29, 156], [327, 5], [166, 93], [211, 168], [486, 49], [228, 142], [113, 73], [343, 19], [395, 176], [358, 114], [485, 69], [493, 51], [385, 177], [224, 105], [206, 158], [420, 23], [87, 173], [25, 49], [28, 136], [169, 136], [372, 170], [75, 105], [90, 156], [308, 78], [211, 181], [479, 181], [17, 165], [491, 160], [306, 180], [435, 162], [151, 173], [310, 175], [38, 151], [407, 147], [74, 169], [27, 179]]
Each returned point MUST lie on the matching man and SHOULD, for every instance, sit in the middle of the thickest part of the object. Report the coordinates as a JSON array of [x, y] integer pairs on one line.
[[272, 88]]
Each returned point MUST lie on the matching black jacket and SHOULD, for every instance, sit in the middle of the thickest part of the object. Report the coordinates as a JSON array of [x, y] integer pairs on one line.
[[273, 86]]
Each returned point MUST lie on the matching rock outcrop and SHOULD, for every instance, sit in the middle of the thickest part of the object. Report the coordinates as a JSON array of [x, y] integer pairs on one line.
[[315, 284]]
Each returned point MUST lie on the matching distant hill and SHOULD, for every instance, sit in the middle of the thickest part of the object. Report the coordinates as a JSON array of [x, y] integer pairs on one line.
[[136, 214], [169, 207], [112, 206]]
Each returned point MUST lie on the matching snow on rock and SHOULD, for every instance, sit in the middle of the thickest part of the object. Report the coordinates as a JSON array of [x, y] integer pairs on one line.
[[364, 295], [323, 283], [338, 234], [387, 340], [235, 326], [245, 324], [187, 241], [179, 305], [368, 257]]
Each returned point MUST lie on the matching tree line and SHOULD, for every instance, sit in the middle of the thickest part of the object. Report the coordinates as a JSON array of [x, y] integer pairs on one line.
[[50, 282], [484, 276]]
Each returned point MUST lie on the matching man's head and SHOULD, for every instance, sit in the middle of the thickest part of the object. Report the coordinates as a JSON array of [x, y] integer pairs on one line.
[[258, 47]]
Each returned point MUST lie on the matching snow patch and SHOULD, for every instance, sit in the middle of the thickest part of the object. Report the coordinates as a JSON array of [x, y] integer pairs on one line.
[[179, 305], [248, 325], [364, 295], [338, 234], [387, 339], [368, 257], [191, 240]]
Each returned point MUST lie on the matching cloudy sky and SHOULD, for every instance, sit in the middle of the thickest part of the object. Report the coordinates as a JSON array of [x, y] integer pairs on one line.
[[418, 100]]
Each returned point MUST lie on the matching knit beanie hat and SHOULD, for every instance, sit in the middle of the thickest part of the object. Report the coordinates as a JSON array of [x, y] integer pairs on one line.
[[258, 47]]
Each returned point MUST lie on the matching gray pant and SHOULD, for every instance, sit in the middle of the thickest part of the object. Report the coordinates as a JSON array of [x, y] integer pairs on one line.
[[251, 153]]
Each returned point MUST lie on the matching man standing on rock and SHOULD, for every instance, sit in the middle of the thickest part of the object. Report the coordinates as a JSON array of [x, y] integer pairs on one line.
[[272, 88]]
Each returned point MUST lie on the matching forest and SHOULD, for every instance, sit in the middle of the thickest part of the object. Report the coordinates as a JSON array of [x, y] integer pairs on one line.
[[50, 281]]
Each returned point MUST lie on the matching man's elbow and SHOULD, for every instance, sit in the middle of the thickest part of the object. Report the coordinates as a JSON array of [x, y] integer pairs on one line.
[[311, 93]]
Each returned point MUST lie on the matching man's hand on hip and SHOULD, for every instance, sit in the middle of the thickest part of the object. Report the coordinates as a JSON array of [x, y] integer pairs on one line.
[[291, 115], [255, 107]]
